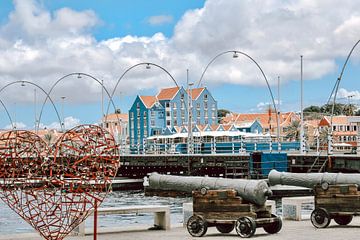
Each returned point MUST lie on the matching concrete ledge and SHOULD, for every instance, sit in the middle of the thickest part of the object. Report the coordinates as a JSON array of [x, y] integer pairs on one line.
[[291, 207], [161, 217]]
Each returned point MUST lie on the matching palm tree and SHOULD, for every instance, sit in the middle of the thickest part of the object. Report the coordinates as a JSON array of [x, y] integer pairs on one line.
[[292, 132], [48, 138]]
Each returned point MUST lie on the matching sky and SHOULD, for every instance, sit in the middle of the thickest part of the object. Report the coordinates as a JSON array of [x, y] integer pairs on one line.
[[41, 41]]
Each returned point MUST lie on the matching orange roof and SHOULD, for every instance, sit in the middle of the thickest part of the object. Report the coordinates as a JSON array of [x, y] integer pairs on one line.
[[148, 101], [167, 93], [336, 120], [116, 116], [195, 93], [264, 118]]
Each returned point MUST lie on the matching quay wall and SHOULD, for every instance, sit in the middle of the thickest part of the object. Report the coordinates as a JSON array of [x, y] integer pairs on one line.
[[230, 165]]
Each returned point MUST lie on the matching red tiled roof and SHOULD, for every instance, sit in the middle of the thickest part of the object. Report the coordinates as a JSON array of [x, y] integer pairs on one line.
[[195, 93], [337, 120], [265, 119], [148, 101], [116, 116], [167, 93]]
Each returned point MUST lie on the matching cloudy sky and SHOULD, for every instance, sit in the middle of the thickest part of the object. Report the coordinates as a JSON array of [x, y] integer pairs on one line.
[[42, 40]]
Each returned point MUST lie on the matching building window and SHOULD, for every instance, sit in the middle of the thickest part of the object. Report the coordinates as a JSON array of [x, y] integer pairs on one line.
[[334, 128], [355, 128], [167, 104], [174, 113], [168, 113], [206, 121], [213, 106], [205, 105], [182, 97], [174, 105], [138, 132], [205, 97], [198, 105], [138, 105], [198, 121], [198, 113], [175, 122], [152, 122], [168, 122]]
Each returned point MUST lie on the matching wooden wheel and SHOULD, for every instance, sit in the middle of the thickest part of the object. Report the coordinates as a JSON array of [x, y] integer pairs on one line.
[[343, 219], [273, 227], [225, 227], [320, 218], [196, 226], [245, 227]]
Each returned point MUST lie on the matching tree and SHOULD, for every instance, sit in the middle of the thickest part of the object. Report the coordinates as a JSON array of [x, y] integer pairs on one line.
[[292, 132], [312, 108], [222, 113], [48, 138]]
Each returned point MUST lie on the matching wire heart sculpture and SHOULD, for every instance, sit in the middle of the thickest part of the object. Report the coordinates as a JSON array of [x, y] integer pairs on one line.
[[55, 188]]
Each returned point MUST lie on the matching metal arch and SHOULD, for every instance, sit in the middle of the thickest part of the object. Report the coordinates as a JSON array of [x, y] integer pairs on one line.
[[134, 66], [38, 86], [337, 83], [79, 74], [262, 72], [8, 114]]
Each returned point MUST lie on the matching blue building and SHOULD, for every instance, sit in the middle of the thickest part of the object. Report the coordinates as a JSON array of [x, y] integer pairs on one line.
[[250, 127], [153, 115]]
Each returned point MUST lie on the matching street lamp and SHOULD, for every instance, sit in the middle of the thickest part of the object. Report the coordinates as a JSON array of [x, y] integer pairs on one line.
[[62, 111], [334, 94], [78, 75], [235, 54], [39, 87]]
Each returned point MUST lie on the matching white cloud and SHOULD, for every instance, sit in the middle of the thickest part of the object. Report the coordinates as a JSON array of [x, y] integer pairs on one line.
[[345, 94], [69, 122], [17, 125], [42, 46], [261, 106], [160, 20]]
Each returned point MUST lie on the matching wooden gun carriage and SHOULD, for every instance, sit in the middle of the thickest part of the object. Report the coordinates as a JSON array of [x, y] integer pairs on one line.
[[226, 211], [339, 202]]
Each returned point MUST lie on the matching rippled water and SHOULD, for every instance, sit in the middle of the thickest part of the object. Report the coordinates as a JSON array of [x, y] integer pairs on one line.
[[10, 222]]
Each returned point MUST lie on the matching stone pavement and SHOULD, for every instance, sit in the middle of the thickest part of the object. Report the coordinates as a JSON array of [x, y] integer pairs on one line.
[[292, 230]]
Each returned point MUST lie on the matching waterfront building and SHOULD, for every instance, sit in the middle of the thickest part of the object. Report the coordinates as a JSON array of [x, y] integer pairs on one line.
[[117, 125], [160, 114], [343, 130], [267, 120]]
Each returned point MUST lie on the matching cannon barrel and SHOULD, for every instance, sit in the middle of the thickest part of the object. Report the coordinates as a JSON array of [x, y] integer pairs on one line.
[[309, 180], [254, 191]]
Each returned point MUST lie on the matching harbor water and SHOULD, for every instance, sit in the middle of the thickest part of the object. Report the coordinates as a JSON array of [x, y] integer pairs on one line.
[[11, 223]]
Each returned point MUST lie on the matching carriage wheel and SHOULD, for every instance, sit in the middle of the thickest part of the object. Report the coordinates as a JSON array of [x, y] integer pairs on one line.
[[224, 227], [320, 218], [196, 226], [245, 227], [273, 227], [343, 220]]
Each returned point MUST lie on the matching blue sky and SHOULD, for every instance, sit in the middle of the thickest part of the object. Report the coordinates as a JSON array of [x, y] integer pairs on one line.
[[41, 41]]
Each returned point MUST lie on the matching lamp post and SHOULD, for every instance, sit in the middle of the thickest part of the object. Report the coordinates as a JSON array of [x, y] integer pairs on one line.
[[62, 111], [35, 85], [302, 137], [334, 94], [190, 135], [235, 54]]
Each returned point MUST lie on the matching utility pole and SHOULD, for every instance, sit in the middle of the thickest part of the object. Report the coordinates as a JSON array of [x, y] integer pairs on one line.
[[302, 138], [35, 117], [278, 117]]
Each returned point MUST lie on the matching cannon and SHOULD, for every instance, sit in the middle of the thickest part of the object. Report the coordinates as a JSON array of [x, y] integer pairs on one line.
[[337, 195], [225, 210], [310, 180], [254, 191]]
